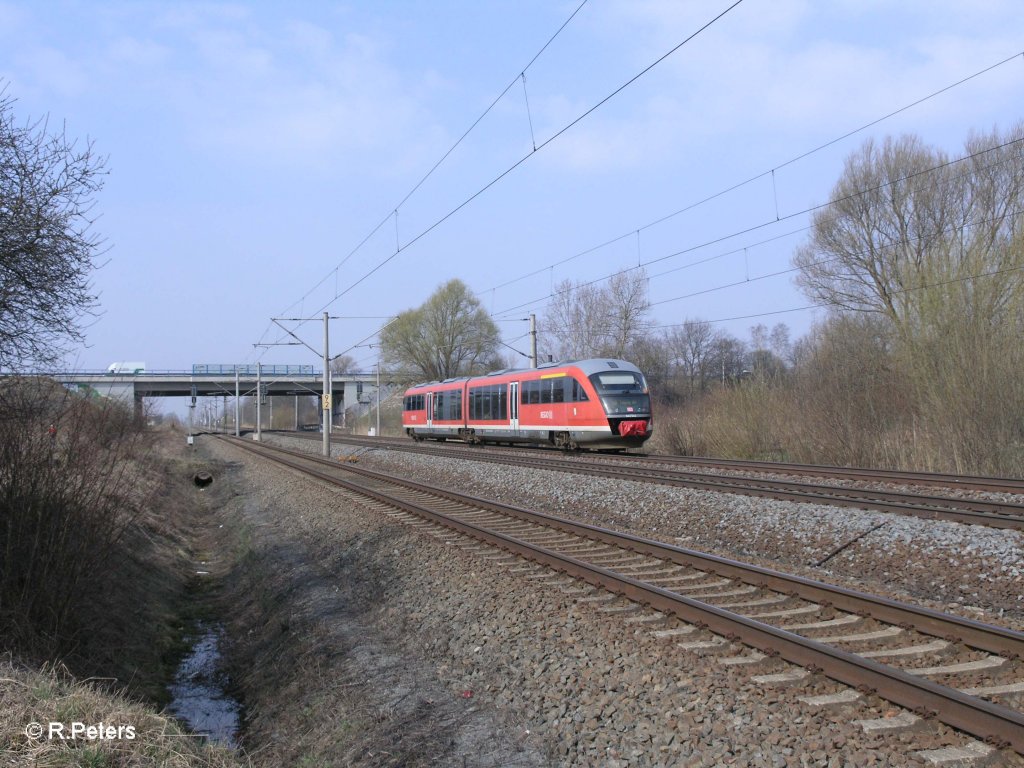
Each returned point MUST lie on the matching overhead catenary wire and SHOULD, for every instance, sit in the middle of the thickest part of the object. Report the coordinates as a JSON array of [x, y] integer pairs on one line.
[[636, 231], [429, 173], [763, 225], [897, 292], [761, 175], [821, 305], [825, 305], [526, 157], [747, 280]]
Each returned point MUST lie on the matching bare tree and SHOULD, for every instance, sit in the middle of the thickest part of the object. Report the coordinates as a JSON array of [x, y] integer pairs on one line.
[[934, 247], [573, 326], [779, 342], [768, 350], [449, 335], [907, 231], [585, 320], [343, 364], [47, 246], [627, 309], [652, 354], [692, 350], [728, 356]]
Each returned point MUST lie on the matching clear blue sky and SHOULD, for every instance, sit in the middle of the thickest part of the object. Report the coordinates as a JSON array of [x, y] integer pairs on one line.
[[253, 146]]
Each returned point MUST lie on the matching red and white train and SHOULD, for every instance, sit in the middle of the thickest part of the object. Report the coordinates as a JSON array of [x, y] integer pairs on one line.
[[598, 404]]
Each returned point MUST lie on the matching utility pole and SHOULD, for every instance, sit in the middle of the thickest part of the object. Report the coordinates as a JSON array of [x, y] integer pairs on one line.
[[533, 340], [377, 433], [326, 405], [237, 427], [325, 397], [259, 401]]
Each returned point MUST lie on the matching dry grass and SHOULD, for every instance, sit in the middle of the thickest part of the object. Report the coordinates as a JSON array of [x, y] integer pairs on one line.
[[52, 695], [860, 397]]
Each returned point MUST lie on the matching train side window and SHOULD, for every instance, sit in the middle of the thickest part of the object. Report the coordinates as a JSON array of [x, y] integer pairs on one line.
[[579, 394], [558, 390]]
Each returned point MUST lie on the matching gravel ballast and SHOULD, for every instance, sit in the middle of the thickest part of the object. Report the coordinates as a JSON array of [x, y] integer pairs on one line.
[[568, 682], [970, 570]]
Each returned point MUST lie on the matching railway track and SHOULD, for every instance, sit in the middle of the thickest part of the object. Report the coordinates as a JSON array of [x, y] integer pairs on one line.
[[943, 480], [997, 514], [963, 672]]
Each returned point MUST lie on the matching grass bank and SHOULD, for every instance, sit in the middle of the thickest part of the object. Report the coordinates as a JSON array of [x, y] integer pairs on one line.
[[98, 520]]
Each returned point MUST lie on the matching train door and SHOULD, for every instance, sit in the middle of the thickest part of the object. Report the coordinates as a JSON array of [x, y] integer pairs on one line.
[[430, 408], [513, 406]]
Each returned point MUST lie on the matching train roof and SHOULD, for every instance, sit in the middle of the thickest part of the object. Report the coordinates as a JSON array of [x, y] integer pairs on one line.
[[446, 381], [589, 367], [598, 364]]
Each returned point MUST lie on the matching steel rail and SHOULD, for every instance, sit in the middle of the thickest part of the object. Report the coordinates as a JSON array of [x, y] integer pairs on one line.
[[970, 511], [993, 484], [942, 479], [977, 634], [1009, 485], [993, 723]]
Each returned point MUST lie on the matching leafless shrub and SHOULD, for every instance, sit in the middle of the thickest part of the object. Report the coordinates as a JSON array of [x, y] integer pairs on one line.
[[65, 501], [848, 392]]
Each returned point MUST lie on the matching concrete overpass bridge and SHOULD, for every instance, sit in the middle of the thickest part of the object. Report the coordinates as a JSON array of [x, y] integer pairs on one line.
[[347, 389]]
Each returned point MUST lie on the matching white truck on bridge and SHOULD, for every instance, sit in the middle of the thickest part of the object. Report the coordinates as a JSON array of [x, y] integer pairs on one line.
[[129, 368]]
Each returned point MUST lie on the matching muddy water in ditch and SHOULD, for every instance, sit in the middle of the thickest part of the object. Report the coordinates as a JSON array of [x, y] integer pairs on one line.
[[199, 695]]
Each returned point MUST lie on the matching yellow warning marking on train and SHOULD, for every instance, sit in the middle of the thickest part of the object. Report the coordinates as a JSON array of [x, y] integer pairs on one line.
[[553, 375]]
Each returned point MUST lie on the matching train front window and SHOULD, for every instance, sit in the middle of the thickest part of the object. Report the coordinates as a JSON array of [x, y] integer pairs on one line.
[[623, 393]]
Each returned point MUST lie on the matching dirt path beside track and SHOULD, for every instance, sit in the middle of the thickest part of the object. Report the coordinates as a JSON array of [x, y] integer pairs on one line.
[[315, 654]]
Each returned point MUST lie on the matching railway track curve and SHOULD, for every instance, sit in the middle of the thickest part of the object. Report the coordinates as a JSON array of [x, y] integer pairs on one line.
[[896, 650], [996, 514]]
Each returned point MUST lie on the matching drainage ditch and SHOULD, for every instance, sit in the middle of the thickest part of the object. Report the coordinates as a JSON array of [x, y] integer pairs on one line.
[[199, 693]]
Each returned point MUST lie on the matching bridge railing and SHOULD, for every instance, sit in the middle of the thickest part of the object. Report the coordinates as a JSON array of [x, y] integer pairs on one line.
[[250, 370]]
